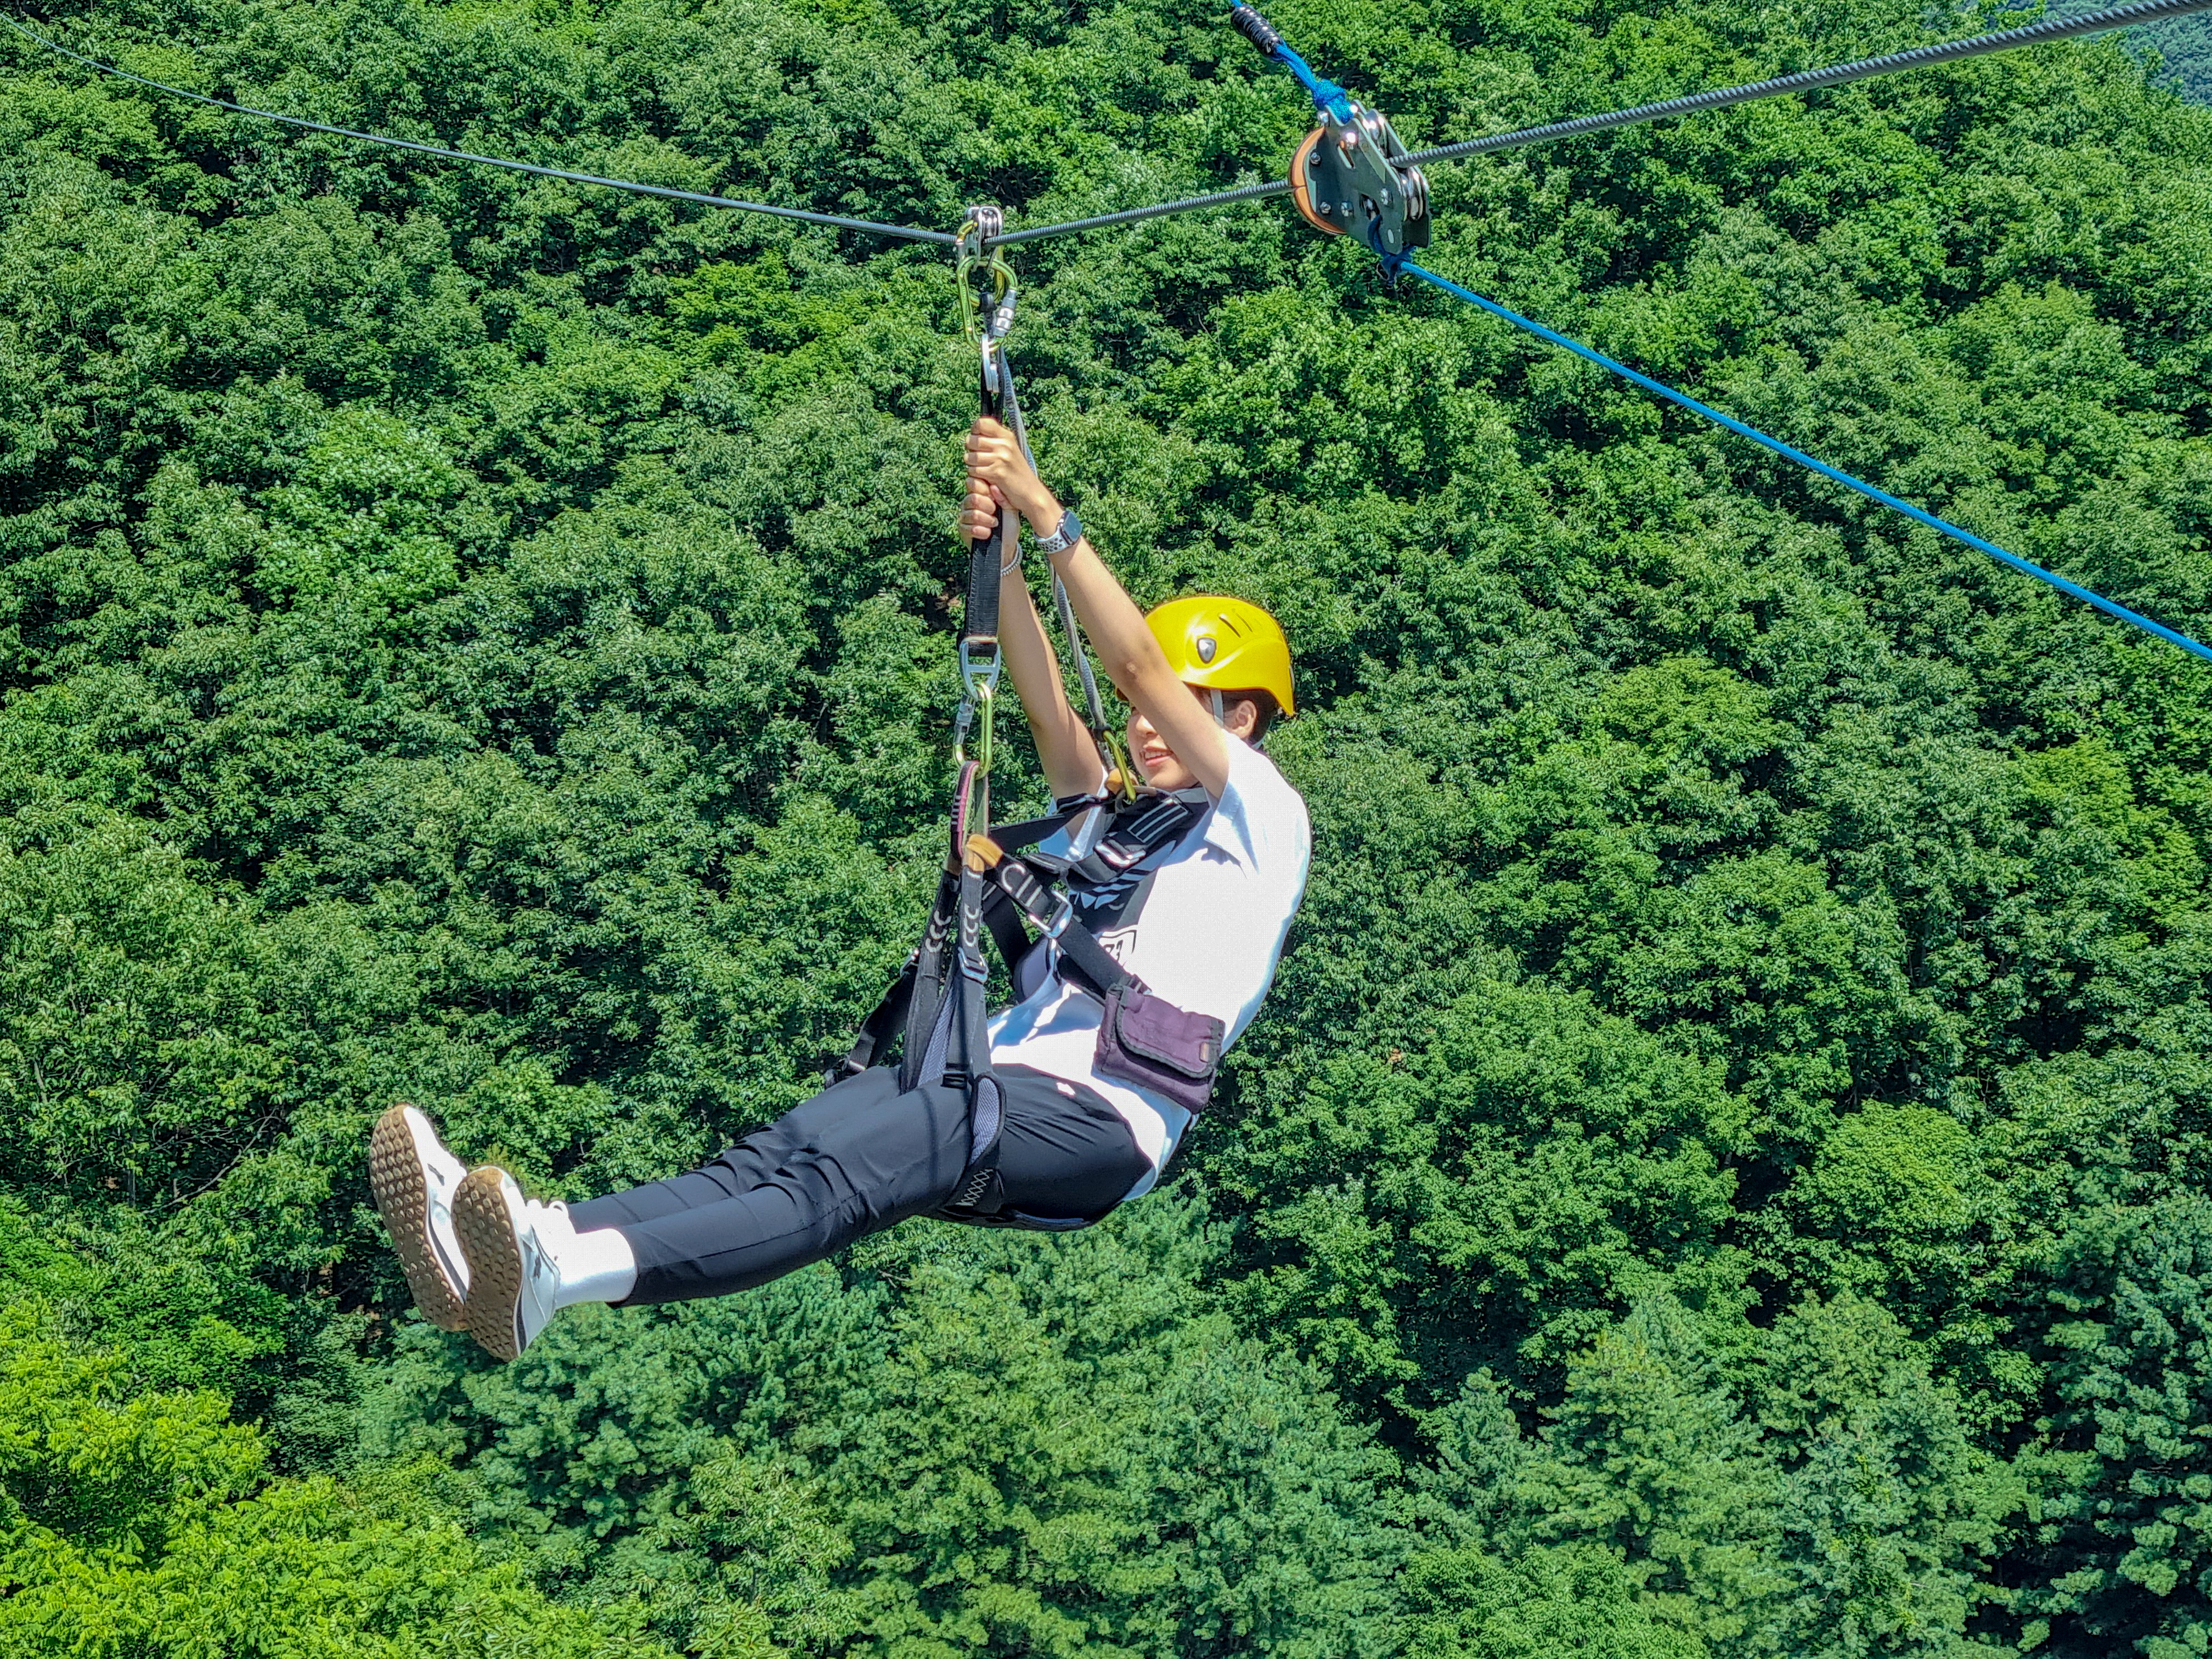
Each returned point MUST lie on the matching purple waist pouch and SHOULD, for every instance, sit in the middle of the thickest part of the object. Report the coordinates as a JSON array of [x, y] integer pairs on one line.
[[1155, 1045]]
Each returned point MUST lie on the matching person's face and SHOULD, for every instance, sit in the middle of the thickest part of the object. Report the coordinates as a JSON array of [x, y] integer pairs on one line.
[[1162, 766]]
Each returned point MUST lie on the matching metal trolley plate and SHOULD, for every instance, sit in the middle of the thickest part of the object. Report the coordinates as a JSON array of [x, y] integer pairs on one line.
[[1352, 176]]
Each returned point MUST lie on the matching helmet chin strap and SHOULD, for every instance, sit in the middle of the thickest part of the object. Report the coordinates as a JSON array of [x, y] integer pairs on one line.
[[1220, 718]]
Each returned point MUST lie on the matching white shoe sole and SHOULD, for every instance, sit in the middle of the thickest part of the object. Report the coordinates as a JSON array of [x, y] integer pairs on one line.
[[486, 1230], [402, 1199]]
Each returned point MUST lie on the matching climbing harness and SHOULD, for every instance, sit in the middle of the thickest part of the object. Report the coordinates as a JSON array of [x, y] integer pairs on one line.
[[1078, 875], [1389, 239]]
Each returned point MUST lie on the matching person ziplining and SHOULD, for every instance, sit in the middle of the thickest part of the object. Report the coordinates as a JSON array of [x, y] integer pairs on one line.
[[1153, 962], [1160, 914], [1059, 1109]]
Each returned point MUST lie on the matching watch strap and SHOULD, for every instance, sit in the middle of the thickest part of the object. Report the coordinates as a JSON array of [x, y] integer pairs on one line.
[[1065, 535]]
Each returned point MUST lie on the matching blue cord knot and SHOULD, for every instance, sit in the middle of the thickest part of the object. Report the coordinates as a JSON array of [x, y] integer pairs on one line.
[[1328, 98]]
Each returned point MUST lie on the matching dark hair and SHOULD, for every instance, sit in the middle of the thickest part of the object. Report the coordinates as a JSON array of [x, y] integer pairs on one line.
[[1265, 711]]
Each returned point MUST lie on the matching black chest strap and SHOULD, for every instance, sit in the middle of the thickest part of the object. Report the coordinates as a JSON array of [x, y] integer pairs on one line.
[[1073, 893]]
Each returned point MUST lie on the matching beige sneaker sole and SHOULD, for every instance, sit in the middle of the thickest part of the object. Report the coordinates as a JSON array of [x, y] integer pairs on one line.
[[487, 1235], [402, 1199]]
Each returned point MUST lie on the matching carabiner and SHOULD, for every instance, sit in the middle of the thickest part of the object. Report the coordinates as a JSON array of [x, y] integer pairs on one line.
[[975, 715], [985, 324]]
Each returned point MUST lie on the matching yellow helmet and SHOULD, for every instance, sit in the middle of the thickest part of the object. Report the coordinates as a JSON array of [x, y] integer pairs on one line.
[[1226, 644]]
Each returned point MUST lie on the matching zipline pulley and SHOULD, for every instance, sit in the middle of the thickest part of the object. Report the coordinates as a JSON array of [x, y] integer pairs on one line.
[[988, 288], [1352, 173]]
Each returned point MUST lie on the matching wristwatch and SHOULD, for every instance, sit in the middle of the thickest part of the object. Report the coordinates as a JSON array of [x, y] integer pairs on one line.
[[1069, 533]]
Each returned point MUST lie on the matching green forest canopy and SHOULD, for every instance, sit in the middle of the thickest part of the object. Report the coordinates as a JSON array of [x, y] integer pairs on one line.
[[1724, 1171]]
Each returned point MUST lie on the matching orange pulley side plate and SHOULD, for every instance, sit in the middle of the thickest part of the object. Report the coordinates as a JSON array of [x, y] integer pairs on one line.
[[1354, 175], [1303, 174]]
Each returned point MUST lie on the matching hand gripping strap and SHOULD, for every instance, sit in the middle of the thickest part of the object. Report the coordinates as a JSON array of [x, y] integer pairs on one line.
[[979, 625]]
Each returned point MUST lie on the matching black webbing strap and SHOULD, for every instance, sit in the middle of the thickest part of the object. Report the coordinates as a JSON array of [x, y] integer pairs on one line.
[[937, 1009], [1004, 923], [979, 624], [979, 1185], [1140, 830], [881, 1028], [926, 995], [1055, 918], [1012, 837]]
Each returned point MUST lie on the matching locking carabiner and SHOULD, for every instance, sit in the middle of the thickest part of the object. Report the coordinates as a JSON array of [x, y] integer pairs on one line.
[[984, 322]]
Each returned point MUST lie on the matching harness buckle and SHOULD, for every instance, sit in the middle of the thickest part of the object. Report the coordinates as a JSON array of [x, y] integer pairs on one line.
[[979, 678]]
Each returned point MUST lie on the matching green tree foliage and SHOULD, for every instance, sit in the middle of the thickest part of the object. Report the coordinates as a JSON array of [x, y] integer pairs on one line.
[[1719, 1173], [2123, 1544], [971, 1442], [147, 1525], [1812, 1492]]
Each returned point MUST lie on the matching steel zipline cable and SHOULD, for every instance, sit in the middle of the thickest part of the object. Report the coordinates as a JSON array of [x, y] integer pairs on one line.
[[908, 232], [1942, 52], [1945, 52], [2142, 11]]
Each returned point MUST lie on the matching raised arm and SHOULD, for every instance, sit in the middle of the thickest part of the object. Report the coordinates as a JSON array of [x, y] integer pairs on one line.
[[1071, 766], [1125, 647]]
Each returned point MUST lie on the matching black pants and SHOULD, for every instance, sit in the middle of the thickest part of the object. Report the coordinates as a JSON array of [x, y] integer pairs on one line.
[[852, 1161]]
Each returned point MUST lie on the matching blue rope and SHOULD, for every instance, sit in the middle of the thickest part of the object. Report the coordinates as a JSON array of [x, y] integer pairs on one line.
[[1799, 455], [1332, 98], [1327, 96]]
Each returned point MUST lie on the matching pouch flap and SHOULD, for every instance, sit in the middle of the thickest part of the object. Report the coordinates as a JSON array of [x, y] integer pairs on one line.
[[1168, 1035]]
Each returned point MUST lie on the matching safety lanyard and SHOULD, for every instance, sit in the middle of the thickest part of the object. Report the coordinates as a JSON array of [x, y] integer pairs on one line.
[[986, 314]]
